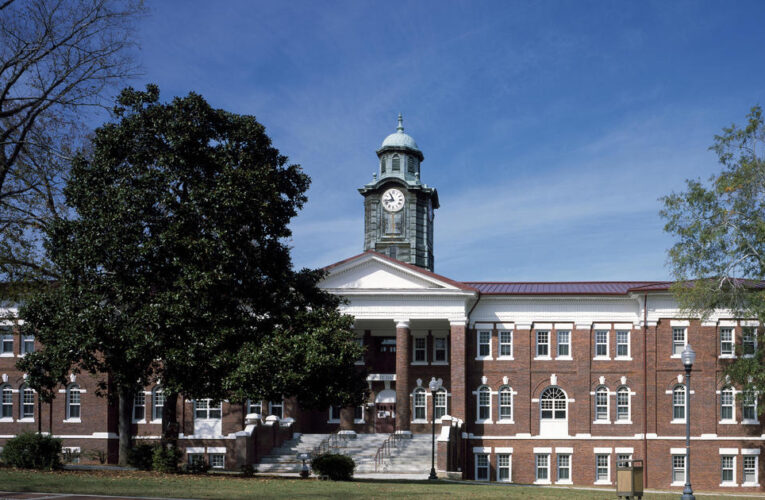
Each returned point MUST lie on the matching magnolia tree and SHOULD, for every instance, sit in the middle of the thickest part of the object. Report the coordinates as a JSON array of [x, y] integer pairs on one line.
[[175, 269]]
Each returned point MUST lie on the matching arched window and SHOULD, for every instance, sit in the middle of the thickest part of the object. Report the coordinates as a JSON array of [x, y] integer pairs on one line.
[[410, 164], [505, 403], [139, 405], [553, 404], [27, 402], [601, 404], [678, 402], [396, 164], [419, 404], [73, 402], [254, 406], [440, 403], [157, 403], [727, 398], [382, 165], [484, 403], [7, 401], [623, 404]]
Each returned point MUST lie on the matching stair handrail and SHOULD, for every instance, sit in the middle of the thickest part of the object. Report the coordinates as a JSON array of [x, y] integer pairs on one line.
[[334, 441], [383, 452]]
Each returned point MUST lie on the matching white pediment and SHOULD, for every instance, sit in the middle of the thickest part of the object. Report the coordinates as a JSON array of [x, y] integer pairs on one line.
[[370, 272]]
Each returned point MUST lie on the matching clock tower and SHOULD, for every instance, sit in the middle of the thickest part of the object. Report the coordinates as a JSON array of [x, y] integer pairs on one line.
[[398, 207]]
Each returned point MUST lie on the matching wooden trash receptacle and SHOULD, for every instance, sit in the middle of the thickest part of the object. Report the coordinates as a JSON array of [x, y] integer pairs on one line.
[[629, 479]]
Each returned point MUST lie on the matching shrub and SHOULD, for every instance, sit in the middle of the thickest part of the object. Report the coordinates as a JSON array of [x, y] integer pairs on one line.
[[196, 467], [33, 451], [166, 459], [141, 456], [336, 467], [248, 470], [96, 454]]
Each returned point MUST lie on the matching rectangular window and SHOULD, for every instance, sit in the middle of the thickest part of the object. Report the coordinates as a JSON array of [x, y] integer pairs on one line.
[[419, 404], [601, 404], [420, 349], [678, 469], [564, 343], [217, 460], [481, 467], [484, 344], [506, 343], [158, 404], [726, 341], [360, 343], [727, 464], [726, 404], [623, 404], [73, 406], [564, 468], [542, 467], [503, 467], [601, 344], [543, 343], [622, 343], [440, 403], [334, 413], [749, 341], [439, 350], [206, 409], [622, 460], [7, 402], [505, 404], [358, 413], [275, 408], [139, 406], [678, 341], [7, 342], [27, 344], [602, 473], [750, 469], [484, 404], [196, 458]]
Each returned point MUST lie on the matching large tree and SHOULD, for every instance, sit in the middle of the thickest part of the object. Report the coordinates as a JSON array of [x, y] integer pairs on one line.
[[175, 268], [718, 259], [59, 60]]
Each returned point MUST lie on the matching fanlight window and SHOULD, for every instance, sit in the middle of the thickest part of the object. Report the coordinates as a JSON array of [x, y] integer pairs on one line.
[[553, 404]]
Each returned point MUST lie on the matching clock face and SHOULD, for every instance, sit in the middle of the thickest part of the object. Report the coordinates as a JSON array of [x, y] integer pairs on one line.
[[393, 200]]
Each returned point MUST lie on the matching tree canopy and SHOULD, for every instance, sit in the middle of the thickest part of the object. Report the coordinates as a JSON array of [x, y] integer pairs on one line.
[[718, 259], [175, 267]]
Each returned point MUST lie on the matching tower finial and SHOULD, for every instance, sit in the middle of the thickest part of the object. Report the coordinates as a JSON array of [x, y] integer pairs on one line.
[[400, 127]]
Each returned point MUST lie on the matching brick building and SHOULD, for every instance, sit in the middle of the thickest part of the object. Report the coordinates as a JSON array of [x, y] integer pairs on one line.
[[546, 383]]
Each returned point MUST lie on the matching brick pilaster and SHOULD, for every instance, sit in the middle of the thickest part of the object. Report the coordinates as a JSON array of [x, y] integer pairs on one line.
[[457, 362], [403, 356]]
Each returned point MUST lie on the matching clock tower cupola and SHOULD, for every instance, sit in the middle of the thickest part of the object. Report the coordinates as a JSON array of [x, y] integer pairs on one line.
[[398, 207]]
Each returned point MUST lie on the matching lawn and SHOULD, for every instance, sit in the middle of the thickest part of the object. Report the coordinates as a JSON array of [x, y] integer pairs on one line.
[[226, 487], [223, 487]]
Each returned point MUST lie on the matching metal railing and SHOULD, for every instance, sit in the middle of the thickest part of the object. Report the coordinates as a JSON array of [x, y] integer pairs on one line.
[[384, 451], [334, 443]]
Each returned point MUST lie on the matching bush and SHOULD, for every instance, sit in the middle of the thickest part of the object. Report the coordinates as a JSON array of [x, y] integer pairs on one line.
[[336, 467], [196, 467], [33, 451], [166, 460], [248, 470], [141, 456], [96, 454]]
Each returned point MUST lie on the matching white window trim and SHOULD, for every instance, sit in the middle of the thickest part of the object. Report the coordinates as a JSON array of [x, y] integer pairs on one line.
[[728, 421], [629, 406], [446, 350], [513, 393], [477, 393], [672, 340], [750, 421], [154, 420], [734, 483], [570, 453], [608, 345], [478, 356], [548, 356], [509, 465], [732, 355], [211, 462], [594, 394], [67, 405], [499, 345], [567, 357], [488, 464], [628, 357], [424, 350], [331, 420], [751, 452], [549, 467], [608, 473], [672, 466], [414, 408]]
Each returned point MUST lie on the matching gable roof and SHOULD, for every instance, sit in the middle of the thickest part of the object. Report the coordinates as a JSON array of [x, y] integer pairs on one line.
[[566, 287]]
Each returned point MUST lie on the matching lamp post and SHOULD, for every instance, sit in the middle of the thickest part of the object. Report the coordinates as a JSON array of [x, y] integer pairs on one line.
[[434, 386], [688, 356]]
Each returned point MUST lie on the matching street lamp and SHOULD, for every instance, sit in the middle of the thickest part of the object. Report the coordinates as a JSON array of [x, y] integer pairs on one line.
[[688, 356], [434, 386]]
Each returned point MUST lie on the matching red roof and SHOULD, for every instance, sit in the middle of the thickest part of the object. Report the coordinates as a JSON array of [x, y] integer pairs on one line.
[[566, 287]]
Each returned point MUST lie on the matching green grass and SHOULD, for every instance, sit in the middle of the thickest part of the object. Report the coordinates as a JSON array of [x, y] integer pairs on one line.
[[227, 487]]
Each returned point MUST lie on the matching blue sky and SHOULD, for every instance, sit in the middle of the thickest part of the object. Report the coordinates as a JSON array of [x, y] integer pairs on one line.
[[550, 129]]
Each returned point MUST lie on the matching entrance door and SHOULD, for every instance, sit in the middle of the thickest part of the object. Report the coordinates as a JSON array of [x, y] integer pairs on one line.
[[385, 417]]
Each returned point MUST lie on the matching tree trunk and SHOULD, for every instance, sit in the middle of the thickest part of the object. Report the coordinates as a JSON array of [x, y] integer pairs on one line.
[[125, 424], [170, 427]]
